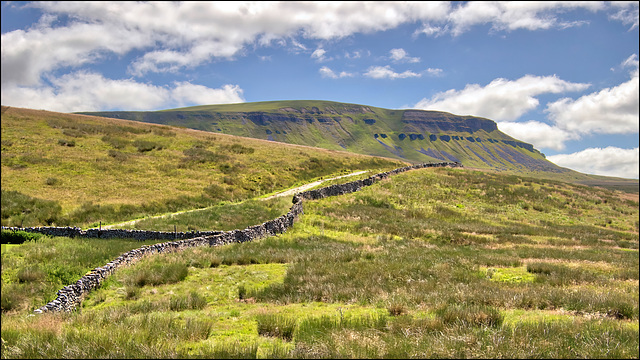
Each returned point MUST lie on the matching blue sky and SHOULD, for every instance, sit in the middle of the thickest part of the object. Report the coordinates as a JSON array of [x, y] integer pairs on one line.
[[562, 76]]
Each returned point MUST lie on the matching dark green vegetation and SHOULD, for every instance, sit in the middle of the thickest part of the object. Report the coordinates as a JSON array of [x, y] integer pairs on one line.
[[408, 135], [62, 169], [444, 263]]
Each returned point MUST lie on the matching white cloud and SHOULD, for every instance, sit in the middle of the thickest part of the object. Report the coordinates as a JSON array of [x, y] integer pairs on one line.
[[612, 110], [430, 30], [609, 161], [187, 34], [319, 54], [354, 55], [501, 100], [538, 133], [326, 72], [400, 55], [434, 72], [385, 72], [23, 61], [174, 35], [626, 12], [83, 91], [514, 15], [631, 61], [185, 94]]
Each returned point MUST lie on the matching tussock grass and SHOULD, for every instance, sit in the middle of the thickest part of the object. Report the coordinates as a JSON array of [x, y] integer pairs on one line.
[[471, 315], [157, 271], [276, 325], [409, 279]]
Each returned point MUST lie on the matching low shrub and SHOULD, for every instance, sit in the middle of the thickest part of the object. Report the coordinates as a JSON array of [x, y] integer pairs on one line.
[[18, 237], [116, 142], [146, 145], [120, 156], [23, 210], [396, 309], [64, 142], [52, 181]]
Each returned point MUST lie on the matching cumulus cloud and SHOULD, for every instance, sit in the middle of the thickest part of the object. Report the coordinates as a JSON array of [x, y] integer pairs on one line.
[[171, 36], [538, 133], [327, 72], [613, 110], [385, 72], [23, 61], [609, 161], [83, 91], [186, 34], [174, 35], [185, 94], [500, 100], [400, 55]]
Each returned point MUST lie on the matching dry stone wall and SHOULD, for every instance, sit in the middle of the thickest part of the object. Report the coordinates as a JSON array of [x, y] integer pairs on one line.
[[113, 233], [70, 296]]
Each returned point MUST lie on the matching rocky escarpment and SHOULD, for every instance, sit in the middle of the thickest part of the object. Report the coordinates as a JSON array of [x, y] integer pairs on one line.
[[439, 122], [402, 134], [69, 297]]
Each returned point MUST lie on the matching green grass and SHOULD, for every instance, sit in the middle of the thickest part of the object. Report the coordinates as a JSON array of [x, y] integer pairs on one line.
[[163, 169], [433, 263], [343, 126]]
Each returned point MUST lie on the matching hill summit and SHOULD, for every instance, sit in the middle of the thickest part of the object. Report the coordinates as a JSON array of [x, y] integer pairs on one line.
[[408, 135]]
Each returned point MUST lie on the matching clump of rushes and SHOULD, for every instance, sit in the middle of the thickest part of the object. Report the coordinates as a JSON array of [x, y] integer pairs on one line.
[[193, 301], [276, 325], [473, 315], [157, 271]]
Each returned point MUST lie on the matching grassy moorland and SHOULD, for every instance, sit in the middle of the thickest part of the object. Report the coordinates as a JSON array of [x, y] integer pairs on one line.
[[444, 263], [359, 129], [407, 135], [64, 169]]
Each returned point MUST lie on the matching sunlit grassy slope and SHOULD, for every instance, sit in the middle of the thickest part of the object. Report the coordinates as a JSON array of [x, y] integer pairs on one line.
[[431, 263], [408, 135], [68, 169]]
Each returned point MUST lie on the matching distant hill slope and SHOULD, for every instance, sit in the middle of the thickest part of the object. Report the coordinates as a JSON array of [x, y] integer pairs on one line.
[[76, 169], [408, 135]]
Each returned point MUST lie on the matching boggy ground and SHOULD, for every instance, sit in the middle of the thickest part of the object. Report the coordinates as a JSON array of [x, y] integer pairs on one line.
[[430, 263]]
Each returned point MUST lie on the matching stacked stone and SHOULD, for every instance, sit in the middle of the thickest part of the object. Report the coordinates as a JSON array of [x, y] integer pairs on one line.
[[140, 235], [70, 296]]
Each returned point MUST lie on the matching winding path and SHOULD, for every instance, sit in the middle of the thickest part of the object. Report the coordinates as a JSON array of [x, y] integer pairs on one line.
[[289, 192]]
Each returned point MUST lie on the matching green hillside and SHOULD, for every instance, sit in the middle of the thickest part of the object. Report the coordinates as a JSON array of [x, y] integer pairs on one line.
[[407, 135], [79, 170], [431, 263]]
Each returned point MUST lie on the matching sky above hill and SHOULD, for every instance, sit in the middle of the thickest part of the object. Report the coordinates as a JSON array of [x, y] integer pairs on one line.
[[562, 76]]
